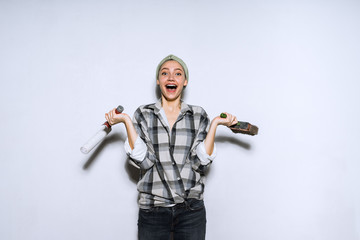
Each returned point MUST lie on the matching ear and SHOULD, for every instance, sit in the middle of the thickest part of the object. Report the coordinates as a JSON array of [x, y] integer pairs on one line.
[[157, 82], [185, 83]]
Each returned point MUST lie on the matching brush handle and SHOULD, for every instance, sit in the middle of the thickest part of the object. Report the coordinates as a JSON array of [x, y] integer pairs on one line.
[[242, 127]]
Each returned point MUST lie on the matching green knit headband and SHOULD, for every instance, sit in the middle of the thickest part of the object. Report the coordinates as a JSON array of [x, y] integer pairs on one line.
[[175, 58]]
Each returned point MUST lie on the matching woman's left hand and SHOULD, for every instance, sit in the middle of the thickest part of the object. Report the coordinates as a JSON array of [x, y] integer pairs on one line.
[[228, 121]]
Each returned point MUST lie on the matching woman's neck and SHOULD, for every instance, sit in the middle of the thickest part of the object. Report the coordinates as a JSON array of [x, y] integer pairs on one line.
[[172, 110], [171, 106]]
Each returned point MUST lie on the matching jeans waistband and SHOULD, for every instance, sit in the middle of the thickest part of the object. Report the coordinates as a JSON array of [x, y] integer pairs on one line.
[[187, 203]]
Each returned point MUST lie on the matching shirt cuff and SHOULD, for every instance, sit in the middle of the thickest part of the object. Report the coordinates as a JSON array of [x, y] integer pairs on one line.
[[139, 152], [205, 158]]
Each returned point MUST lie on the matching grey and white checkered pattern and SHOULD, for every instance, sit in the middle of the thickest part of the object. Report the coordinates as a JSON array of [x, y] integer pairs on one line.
[[171, 170]]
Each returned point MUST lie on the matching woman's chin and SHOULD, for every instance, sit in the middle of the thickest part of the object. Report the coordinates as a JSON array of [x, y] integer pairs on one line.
[[171, 97]]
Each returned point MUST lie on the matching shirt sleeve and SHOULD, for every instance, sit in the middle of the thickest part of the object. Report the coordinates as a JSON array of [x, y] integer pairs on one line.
[[143, 143], [139, 152], [200, 162], [205, 158]]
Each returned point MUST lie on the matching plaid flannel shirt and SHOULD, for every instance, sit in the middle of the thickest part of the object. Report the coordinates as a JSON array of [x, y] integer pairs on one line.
[[171, 170]]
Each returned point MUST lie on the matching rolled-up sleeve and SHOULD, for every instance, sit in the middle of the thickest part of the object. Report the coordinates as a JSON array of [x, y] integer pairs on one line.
[[139, 152], [205, 158]]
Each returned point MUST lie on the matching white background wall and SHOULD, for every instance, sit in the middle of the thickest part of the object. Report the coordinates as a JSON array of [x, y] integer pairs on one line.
[[290, 67]]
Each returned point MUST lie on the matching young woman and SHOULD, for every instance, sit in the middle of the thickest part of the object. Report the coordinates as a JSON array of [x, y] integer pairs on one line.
[[172, 143]]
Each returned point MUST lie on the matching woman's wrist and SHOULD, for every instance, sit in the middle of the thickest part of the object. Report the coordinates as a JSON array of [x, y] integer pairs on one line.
[[216, 121], [127, 120]]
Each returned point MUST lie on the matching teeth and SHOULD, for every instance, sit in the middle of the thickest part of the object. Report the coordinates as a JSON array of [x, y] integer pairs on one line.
[[171, 86]]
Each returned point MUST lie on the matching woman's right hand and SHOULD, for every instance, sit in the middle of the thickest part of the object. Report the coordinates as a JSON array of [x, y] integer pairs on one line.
[[113, 118]]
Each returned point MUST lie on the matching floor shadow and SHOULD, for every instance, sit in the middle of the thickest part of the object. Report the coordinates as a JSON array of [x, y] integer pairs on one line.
[[113, 138], [233, 140], [132, 171]]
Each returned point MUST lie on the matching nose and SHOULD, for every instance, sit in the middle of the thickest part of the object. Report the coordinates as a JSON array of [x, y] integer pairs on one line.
[[171, 76]]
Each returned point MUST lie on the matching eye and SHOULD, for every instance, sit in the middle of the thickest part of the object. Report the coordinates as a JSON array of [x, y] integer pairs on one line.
[[178, 74], [164, 73]]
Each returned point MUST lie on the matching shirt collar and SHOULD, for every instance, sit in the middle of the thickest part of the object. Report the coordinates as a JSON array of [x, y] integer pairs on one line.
[[183, 109]]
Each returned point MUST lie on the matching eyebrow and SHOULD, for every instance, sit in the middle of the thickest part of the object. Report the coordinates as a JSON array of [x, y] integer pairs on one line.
[[168, 69]]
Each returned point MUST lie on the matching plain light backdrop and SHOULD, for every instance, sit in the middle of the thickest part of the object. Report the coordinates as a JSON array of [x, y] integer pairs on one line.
[[290, 67]]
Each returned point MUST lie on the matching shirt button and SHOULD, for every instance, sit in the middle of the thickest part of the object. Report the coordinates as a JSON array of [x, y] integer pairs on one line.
[[178, 179]]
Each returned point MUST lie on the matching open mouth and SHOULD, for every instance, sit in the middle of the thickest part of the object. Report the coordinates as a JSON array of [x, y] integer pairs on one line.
[[171, 87]]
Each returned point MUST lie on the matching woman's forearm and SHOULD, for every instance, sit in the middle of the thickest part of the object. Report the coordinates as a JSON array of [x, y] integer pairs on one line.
[[210, 138], [131, 132]]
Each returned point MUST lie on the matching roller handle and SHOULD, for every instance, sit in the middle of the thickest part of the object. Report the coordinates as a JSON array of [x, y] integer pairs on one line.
[[118, 110]]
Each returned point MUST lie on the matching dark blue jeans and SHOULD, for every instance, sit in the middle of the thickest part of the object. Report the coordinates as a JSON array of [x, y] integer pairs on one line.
[[185, 221]]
